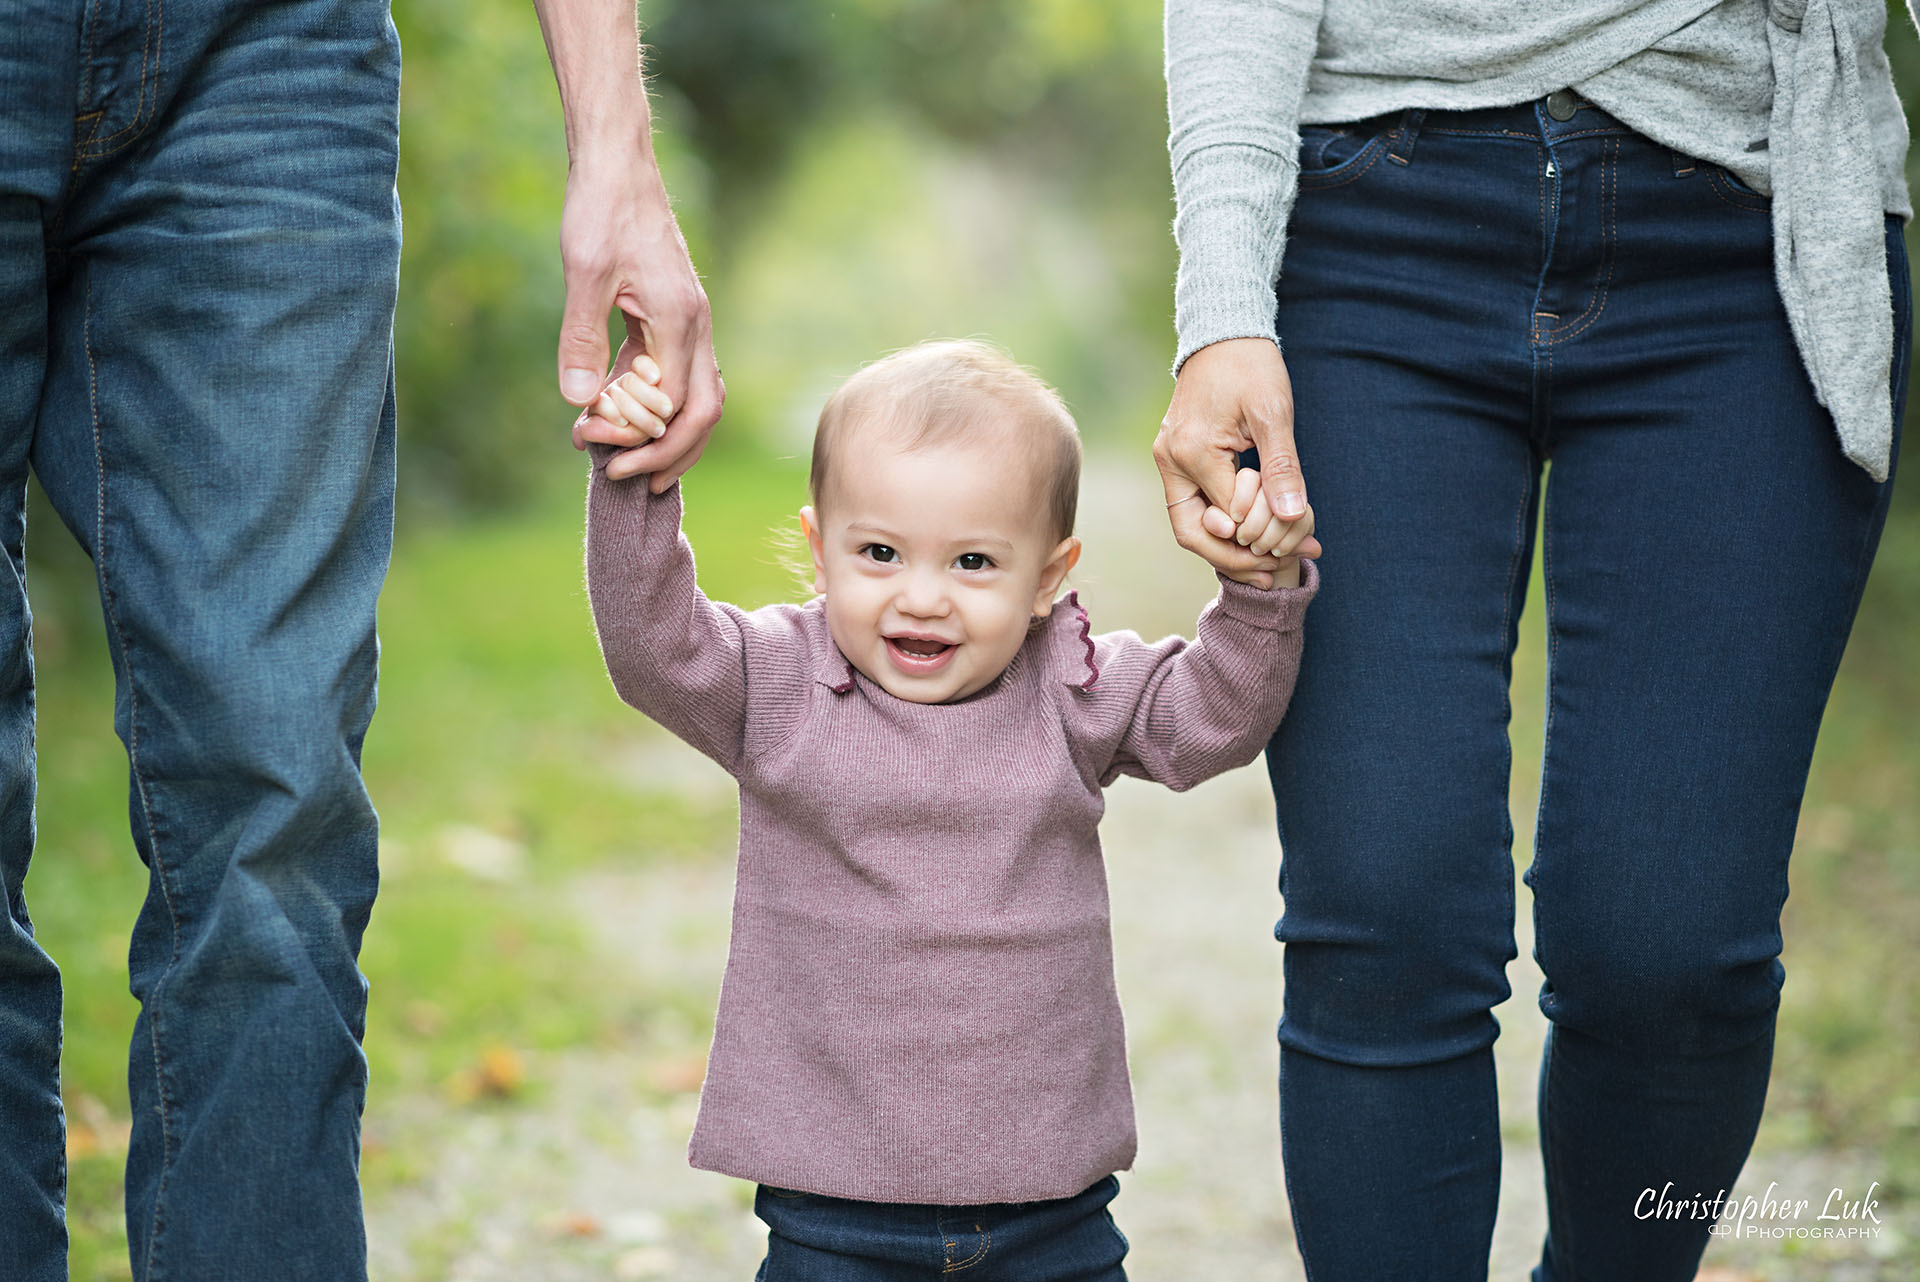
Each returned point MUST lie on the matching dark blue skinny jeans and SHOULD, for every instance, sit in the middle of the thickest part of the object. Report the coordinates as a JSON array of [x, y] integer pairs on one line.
[[1468, 297], [199, 246], [813, 1238]]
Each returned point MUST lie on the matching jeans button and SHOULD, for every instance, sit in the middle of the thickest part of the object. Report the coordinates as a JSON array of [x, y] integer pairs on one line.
[[1562, 103]]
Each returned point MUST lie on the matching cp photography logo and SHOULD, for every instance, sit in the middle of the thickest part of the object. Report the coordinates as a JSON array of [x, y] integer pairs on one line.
[[1771, 1215]]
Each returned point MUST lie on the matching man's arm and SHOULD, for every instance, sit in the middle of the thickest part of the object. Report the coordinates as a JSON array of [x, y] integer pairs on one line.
[[620, 246]]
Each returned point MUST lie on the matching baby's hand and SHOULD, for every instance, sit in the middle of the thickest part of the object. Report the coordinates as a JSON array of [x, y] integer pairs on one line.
[[631, 410], [1261, 532]]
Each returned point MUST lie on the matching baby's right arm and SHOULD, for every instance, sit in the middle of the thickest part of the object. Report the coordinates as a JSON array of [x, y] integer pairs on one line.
[[708, 671]]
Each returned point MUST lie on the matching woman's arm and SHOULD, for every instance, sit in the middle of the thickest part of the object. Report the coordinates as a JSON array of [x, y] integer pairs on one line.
[[1236, 74]]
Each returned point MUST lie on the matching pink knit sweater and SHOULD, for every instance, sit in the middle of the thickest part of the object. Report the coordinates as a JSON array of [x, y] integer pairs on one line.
[[919, 1001]]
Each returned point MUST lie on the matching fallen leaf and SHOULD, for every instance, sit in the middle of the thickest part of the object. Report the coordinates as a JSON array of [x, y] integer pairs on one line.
[[574, 1224], [500, 1074]]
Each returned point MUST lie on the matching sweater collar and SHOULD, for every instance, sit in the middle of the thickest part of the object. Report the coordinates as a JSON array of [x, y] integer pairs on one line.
[[1070, 642], [833, 670]]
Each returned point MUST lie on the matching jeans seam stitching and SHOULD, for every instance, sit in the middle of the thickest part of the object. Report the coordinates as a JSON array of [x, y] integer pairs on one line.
[[149, 74], [1380, 145], [1717, 182], [151, 1004], [955, 1266], [86, 66], [1609, 193], [1286, 1177], [1550, 1152]]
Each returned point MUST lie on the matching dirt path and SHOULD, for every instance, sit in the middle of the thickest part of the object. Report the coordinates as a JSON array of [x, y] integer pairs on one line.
[[588, 1179]]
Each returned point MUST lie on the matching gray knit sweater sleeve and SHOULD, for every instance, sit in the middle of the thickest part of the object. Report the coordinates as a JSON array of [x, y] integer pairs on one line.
[[1236, 73]]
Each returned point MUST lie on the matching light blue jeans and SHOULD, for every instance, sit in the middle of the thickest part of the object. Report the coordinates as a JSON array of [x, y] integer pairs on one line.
[[199, 246]]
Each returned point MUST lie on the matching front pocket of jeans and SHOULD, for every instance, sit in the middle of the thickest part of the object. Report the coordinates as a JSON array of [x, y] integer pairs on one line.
[[1332, 154], [1733, 191]]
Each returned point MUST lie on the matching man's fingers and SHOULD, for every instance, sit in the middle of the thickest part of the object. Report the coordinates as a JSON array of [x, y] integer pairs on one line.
[[699, 412], [674, 471]]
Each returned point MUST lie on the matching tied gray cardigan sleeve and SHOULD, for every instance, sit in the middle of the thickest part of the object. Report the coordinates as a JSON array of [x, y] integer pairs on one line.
[[1242, 74]]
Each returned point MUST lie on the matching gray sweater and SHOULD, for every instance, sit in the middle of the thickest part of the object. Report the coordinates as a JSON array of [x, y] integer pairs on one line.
[[1795, 97]]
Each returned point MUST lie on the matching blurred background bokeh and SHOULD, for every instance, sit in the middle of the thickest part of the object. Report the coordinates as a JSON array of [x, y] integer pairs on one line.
[[852, 178]]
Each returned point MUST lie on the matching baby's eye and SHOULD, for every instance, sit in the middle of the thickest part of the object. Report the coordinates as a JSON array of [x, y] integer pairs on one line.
[[973, 561], [880, 552]]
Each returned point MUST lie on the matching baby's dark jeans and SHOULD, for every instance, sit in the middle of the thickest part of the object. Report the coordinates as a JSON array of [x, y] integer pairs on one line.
[[813, 1238]]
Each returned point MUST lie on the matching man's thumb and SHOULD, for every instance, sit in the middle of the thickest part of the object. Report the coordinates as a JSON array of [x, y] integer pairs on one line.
[[583, 340]]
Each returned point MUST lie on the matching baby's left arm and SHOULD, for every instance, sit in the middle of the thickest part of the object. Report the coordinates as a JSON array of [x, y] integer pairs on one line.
[[1179, 712]]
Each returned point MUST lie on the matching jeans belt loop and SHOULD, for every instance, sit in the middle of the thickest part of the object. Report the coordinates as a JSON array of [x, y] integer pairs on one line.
[[1405, 134]]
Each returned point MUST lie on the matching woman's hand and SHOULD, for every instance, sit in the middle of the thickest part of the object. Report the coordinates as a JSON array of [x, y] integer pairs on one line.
[[1232, 396]]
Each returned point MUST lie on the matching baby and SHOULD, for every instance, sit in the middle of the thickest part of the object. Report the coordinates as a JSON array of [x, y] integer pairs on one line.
[[918, 1054]]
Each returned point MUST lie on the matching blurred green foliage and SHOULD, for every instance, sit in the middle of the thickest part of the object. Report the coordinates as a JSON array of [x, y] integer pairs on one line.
[[852, 178]]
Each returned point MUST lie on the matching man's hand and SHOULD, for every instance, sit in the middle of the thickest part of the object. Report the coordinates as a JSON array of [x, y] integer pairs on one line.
[[620, 246], [1230, 397], [619, 243]]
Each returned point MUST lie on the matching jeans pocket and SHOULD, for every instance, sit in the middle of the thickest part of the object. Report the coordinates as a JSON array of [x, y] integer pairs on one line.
[[1733, 191], [1335, 154]]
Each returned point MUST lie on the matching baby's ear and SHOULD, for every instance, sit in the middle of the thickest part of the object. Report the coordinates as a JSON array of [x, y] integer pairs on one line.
[[810, 526], [1065, 555]]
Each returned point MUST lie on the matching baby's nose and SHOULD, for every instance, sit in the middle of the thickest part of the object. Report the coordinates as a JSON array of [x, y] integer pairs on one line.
[[924, 595]]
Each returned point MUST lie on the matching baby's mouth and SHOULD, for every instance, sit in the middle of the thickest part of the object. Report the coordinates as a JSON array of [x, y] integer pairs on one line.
[[920, 656]]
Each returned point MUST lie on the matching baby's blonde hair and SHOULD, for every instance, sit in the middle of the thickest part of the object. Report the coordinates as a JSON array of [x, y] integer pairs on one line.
[[937, 392]]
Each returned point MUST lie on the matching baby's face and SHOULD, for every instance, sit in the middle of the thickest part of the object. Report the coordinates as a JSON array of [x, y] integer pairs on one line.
[[933, 562]]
